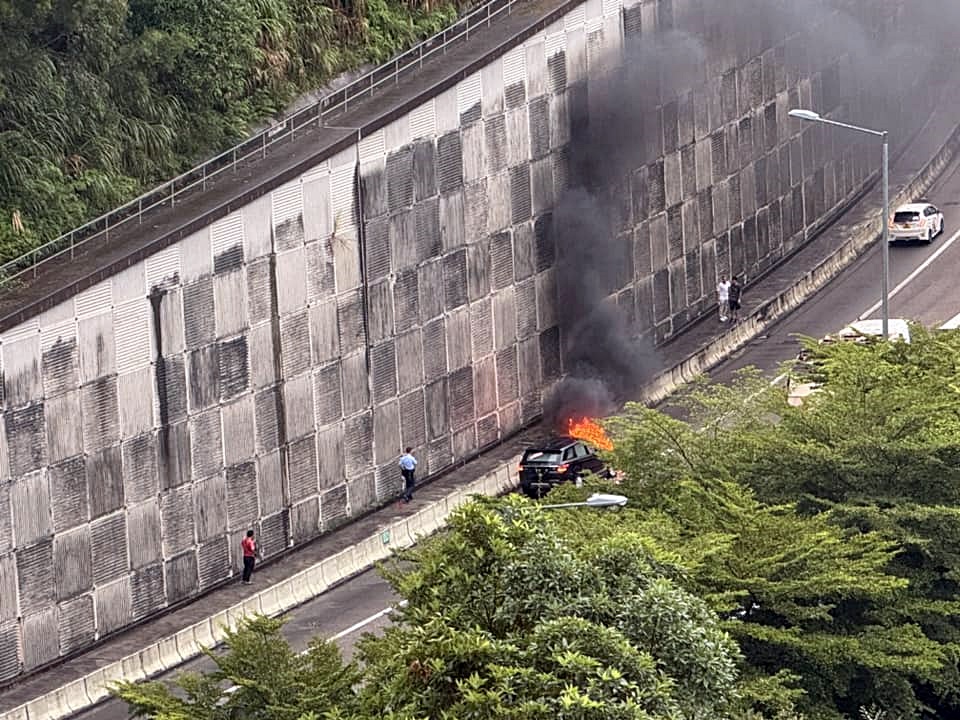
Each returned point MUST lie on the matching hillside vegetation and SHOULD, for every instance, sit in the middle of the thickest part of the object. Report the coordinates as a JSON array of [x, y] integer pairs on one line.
[[101, 99]]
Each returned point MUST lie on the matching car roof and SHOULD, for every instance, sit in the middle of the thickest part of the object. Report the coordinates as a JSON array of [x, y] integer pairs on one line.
[[913, 207], [553, 444]]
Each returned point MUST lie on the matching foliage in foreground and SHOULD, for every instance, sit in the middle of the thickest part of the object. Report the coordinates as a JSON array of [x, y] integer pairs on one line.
[[100, 100], [503, 620], [873, 454], [506, 619]]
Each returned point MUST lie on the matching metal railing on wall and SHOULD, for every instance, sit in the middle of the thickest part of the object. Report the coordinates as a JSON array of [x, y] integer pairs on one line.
[[258, 146]]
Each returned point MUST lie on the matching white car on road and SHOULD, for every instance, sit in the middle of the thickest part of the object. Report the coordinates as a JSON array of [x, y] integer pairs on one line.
[[915, 221]]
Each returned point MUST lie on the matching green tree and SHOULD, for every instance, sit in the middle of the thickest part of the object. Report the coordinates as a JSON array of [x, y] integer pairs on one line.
[[269, 681], [507, 619], [839, 569]]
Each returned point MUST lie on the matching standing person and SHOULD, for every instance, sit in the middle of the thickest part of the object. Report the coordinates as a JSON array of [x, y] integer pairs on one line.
[[736, 293], [249, 546], [723, 297], [408, 466]]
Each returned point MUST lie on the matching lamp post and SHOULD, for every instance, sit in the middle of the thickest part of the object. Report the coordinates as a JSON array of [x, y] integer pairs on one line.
[[597, 500], [811, 116]]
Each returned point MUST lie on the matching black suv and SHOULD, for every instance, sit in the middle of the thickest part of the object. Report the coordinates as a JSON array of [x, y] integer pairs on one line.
[[554, 462]]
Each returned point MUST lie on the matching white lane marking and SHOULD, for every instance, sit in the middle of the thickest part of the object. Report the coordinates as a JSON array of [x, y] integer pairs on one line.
[[363, 623], [951, 324], [913, 276], [343, 633]]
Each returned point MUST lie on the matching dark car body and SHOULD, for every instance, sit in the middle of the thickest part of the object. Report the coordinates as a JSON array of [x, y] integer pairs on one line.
[[558, 460]]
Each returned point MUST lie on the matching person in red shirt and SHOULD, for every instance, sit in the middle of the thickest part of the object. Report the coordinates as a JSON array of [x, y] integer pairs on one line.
[[249, 546]]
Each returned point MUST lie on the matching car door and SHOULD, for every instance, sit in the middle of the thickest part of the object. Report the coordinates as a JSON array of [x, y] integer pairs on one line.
[[587, 459], [934, 218], [570, 460], [938, 217]]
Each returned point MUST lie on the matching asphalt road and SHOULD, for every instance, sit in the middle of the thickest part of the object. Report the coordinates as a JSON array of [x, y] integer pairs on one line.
[[924, 287]]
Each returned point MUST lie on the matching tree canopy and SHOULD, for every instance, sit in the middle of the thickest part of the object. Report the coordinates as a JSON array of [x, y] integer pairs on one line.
[[101, 100], [861, 478]]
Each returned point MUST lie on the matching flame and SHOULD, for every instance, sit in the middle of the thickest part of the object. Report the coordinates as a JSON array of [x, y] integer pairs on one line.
[[590, 432]]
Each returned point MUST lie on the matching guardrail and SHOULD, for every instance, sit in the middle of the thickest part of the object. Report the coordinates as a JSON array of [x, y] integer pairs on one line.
[[257, 146]]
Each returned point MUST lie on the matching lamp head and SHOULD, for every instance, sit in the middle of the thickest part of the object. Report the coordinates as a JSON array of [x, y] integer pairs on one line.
[[801, 114], [605, 500]]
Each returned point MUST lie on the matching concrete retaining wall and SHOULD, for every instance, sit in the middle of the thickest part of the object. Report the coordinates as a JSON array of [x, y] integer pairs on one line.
[[266, 371], [186, 644]]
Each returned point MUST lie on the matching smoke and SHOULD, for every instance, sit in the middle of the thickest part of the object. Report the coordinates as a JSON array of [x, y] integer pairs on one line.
[[606, 363]]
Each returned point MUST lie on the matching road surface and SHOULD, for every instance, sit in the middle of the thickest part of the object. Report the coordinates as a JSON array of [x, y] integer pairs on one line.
[[924, 287]]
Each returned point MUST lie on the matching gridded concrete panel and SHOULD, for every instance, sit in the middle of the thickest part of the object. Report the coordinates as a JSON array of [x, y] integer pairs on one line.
[[354, 379], [147, 591], [140, 469], [242, 501], [61, 370], [114, 606], [75, 625], [206, 443], [22, 379], [108, 538], [35, 576], [40, 641], [386, 432], [210, 497], [69, 501], [30, 509], [73, 563], [143, 529], [180, 577], [298, 406], [8, 587], [177, 520], [330, 456], [302, 471], [26, 439], [238, 430], [270, 483]]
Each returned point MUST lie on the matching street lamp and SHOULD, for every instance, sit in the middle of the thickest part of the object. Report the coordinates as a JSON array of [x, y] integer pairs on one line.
[[811, 116], [597, 500]]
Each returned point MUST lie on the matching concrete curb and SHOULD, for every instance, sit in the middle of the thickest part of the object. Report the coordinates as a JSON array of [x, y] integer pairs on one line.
[[776, 307], [311, 582]]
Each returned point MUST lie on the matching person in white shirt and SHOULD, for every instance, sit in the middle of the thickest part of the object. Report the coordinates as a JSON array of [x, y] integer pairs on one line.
[[723, 298], [408, 466]]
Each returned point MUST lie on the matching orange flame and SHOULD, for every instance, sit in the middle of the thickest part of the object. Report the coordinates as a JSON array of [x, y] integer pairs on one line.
[[590, 432]]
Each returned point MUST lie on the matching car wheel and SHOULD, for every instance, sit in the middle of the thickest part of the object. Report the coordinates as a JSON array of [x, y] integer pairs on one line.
[[941, 227], [929, 236]]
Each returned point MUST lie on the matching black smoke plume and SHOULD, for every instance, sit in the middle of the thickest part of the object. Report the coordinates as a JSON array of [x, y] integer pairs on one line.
[[605, 362]]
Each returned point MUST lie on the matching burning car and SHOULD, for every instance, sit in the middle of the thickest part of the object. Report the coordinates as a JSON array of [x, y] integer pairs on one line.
[[564, 458]]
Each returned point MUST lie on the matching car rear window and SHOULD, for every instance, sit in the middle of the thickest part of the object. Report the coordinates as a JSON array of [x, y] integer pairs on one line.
[[905, 217], [541, 456]]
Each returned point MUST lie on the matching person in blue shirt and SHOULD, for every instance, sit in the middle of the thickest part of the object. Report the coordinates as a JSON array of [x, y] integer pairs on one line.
[[408, 466]]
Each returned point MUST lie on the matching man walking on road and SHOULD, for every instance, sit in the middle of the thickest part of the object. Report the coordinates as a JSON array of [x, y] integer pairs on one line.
[[249, 546], [723, 297], [736, 292], [408, 466]]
